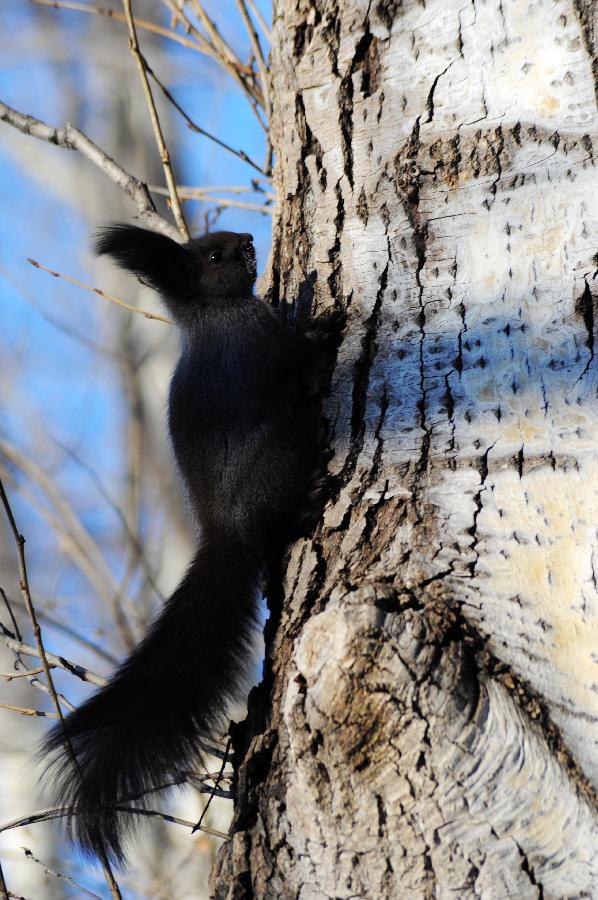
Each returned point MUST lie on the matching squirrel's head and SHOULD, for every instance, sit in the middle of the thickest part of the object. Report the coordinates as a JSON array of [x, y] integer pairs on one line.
[[205, 271], [226, 261]]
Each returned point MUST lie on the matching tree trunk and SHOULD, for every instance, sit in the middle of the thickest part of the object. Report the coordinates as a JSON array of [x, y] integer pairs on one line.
[[428, 727]]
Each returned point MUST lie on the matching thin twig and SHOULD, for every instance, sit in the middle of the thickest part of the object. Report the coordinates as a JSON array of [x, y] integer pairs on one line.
[[228, 57], [233, 66], [55, 322], [217, 39], [240, 154], [56, 662], [35, 682], [261, 20], [59, 875], [40, 815], [10, 676], [265, 209], [264, 77], [120, 17], [103, 294], [12, 615], [29, 712], [261, 62], [157, 128], [198, 824], [189, 191], [207, 776], [24, 585], [261, 208], [71, 138], [178, 14], [166, 817], [221, 793], [58, 812], [30, 674]]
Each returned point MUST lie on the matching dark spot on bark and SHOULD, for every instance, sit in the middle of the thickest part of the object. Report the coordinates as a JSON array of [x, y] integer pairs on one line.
[[304, 32], [381, 815], [368, 60], [585, 308], [362, 207], [302, 683], [387, 10]]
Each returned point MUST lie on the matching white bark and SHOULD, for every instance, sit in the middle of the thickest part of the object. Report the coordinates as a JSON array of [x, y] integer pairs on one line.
[[435, 697]]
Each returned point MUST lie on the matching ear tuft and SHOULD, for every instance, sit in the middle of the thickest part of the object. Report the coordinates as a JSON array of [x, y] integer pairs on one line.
[[166, 266]]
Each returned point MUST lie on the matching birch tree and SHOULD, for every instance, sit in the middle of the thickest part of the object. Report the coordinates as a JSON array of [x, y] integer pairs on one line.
[[428, 722]]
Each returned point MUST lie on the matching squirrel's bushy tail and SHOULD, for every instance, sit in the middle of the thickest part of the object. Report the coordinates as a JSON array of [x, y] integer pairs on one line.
[[148, 725]]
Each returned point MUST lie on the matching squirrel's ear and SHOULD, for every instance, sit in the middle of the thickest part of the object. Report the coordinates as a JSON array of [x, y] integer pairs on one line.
[[166, 266]]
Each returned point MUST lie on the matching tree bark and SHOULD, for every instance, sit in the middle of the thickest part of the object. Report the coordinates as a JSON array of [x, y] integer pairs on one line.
[[428, 724]]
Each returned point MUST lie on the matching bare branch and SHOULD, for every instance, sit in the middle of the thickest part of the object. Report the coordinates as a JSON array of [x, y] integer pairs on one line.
[[188, 192], [55, 322], [192, 125], [179, 14], [29, 712], [58, 812], [257, 49], [71, 138], [217, 39], [54, 662], [264, 76], [265, 209], [228, 61], [262, 208], [202, 777], [10, 676], [34, 681], [40, 815], [119, 17], [166, 817], [157, 128], [11, 614], [213, 791], [261, 20], [24, 585], [66, 878], [103, 294]]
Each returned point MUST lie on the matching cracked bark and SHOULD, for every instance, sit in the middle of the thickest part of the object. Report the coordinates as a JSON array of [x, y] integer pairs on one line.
[[428, 724]]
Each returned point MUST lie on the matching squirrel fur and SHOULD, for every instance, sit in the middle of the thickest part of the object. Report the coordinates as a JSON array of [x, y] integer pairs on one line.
[[244, 435]]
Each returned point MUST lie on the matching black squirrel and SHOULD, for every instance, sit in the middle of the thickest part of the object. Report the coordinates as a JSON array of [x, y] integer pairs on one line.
[[245, 439]]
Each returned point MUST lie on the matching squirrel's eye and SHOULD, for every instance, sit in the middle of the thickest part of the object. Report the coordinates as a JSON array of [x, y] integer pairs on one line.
[[216, 257]]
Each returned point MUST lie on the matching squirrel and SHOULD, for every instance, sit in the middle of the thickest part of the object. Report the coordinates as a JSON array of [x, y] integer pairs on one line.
[[245, 438]]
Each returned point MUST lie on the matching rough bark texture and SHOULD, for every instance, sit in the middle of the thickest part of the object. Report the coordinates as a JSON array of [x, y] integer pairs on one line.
[[429, 726]]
